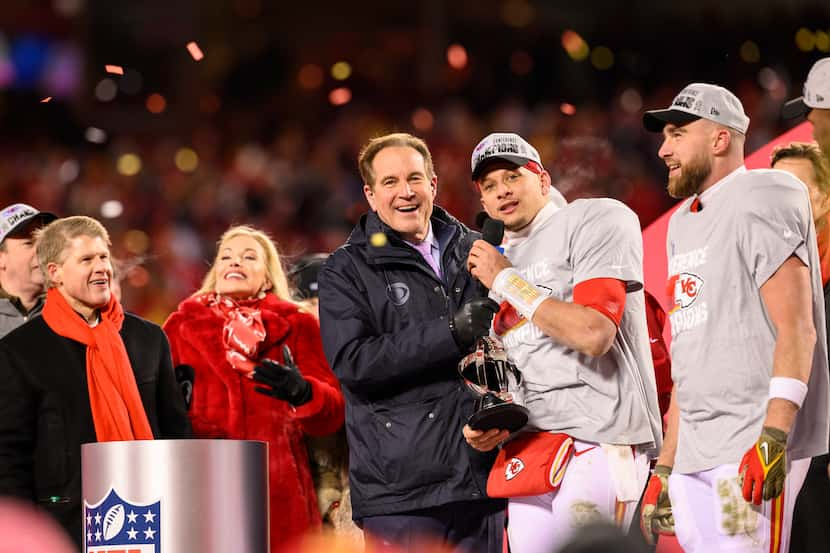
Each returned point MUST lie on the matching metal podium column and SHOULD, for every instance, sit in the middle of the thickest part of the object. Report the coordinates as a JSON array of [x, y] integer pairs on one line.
[[175, 496]]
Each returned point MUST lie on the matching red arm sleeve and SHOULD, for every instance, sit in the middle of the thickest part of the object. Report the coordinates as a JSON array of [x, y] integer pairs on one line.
[[606, 295]]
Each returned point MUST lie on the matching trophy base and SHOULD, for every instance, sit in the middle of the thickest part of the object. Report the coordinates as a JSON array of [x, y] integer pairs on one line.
[[504, 416]]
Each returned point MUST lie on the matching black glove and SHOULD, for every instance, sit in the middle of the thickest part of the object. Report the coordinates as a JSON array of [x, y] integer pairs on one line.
[[472, 321], [283, 381]]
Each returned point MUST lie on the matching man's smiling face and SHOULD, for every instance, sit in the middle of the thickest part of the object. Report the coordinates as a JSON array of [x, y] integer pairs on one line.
[[403, 192]]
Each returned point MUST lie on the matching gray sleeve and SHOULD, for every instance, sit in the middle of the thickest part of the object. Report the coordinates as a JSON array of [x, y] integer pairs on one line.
[[773, 225], [607, 243]]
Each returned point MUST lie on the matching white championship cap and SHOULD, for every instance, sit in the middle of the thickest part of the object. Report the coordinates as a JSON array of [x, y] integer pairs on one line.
[[503, 145], [700, 101], [816, 91], [14, 217]]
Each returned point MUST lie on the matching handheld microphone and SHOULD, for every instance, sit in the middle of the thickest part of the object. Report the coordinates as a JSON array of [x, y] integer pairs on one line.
[[492, 232], [481, 216], [185, 376]]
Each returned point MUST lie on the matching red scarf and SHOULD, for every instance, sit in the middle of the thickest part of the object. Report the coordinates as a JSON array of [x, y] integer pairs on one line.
[[243, 333], [117, 411]]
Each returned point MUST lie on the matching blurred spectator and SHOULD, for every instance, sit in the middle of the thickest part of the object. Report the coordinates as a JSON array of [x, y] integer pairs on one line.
[[241, 335], [335, 542], [656, 321], [70, 376], [602, 538], [303, 277], [244, 136], [815, 104], [810, 528], [25, 529], [21, 280], [806, 161], [299, 183], [329, 455]]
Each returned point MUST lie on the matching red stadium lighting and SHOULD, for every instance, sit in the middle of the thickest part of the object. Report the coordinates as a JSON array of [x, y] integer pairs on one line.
[[423, 119], [575, 45], [156, 103], [567, 109], [194, 50], [457, 56], [340, 96]]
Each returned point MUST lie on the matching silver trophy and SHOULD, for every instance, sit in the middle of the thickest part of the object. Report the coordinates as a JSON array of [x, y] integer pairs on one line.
[[486, 371]]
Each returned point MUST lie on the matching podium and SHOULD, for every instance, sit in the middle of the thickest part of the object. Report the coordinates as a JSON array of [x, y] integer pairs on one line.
[[175, 496]]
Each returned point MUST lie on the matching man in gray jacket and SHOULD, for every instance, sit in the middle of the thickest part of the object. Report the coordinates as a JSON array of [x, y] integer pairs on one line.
[[21, 280]]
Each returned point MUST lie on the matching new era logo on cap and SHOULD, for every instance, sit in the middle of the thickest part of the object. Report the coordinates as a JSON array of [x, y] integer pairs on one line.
[[503, 145], [700, 101], [16, 215], [816, 91]]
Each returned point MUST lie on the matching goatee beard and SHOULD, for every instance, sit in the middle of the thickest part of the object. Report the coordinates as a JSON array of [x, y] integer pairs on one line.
[[692, 177]]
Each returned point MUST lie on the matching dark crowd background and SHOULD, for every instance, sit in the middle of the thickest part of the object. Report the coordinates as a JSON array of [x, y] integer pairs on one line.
[[265, 129]]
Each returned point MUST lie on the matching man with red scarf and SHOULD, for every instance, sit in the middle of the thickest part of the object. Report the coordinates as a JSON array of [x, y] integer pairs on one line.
[[84, 371]]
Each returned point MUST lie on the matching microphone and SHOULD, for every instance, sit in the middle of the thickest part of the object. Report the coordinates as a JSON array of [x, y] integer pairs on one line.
[[492, 232], [185, 376], [481, 216]]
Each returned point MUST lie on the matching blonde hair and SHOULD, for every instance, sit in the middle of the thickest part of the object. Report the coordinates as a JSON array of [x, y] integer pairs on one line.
[[812, 153], [398, 139], [273, 266], [53, 239]]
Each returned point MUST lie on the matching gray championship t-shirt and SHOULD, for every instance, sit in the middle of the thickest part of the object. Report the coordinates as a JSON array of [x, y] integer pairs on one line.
[[722, 338], [607, 399]]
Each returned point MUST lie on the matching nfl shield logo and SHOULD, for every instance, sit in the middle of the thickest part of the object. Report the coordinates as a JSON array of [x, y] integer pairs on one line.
[[115, 525]]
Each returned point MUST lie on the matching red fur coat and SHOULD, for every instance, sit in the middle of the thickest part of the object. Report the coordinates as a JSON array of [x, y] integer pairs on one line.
[[225, 404]]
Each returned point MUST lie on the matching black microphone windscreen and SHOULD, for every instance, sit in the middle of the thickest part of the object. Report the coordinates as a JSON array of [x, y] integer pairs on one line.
[[481, 216], [492, 231]]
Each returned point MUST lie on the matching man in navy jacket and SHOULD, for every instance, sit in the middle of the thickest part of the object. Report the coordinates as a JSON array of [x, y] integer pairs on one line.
[[398, 310]]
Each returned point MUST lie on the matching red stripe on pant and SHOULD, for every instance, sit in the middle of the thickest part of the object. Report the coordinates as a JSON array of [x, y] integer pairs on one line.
[[776, 523]]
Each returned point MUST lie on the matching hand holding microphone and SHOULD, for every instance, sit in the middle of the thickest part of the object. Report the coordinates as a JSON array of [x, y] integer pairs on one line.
[[485, 260], [473, 319]]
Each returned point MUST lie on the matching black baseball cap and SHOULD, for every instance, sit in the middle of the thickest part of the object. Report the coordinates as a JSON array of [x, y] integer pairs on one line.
[[303, 275]]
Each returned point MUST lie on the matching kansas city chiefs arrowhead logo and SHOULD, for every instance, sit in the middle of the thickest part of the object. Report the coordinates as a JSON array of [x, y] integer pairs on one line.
[[513, 468], [687, 287]]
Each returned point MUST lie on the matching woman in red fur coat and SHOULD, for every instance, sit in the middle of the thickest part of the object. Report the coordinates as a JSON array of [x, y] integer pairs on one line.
[[234, 332]]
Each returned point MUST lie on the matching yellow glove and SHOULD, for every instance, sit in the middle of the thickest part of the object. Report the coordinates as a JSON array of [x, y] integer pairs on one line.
[[656, 516], [763, 470]]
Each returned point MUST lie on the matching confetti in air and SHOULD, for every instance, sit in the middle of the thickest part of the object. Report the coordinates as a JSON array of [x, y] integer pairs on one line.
[[46, 100], [195, 51], [114, 69]]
